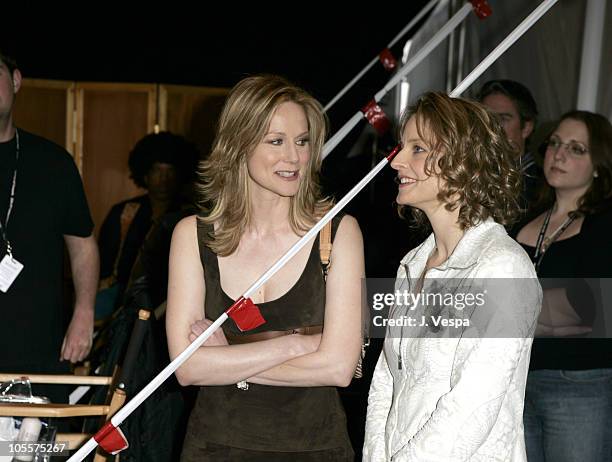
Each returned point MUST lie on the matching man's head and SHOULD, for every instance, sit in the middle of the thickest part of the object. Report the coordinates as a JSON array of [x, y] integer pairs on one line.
[[10, 82], [515, 106]]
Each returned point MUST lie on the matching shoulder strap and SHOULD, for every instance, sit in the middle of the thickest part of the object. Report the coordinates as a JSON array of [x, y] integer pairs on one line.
[[204, 231], [325, 247]]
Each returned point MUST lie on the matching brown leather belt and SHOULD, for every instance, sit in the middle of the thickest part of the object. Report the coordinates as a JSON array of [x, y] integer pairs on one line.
[[235, 339]]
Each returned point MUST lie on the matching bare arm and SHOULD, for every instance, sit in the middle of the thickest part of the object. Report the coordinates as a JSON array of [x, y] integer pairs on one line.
[[213, 365], [334, 361], [85, 267]]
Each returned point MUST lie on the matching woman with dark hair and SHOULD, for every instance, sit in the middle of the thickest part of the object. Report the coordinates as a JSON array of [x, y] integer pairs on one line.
[[449, 393], [568, 407], [267, 394], [164, 164]]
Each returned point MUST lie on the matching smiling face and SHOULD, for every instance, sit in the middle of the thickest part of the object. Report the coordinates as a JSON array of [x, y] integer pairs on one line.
[[280, 160], [567, 163], [416, 186]]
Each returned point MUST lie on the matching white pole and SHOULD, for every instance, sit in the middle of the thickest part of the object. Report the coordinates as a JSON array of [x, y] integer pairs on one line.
[[446, 29], [401, 73], [449, 61], [503, 46], [143, 394], [341, 134], [320, 224], [410, 25], [137, 400], [124, 412], [461, 53], [592, 42]]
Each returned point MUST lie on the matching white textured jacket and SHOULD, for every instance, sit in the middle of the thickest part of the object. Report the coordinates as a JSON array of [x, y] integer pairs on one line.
[[458, 399]]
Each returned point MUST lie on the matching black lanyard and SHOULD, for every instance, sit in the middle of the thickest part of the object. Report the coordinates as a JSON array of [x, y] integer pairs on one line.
[[539, 250], [4, 226]]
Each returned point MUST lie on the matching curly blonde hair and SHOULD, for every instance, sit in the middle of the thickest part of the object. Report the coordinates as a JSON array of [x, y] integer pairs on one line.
[[471, 154], [223, 187]]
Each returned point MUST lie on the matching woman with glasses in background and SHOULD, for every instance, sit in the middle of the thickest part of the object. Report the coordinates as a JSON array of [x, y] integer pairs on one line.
[[568, 402]]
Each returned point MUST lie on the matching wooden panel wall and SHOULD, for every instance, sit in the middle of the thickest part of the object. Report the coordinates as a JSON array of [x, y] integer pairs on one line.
[[192, 112], [111, 119], [46, 108], [99, 123]]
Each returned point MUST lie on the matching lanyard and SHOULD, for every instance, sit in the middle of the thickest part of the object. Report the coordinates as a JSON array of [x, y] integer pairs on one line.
[[543, 243], [4, 227]]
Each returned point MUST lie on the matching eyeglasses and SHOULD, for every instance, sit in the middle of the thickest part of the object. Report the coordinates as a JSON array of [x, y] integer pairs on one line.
[[574, 148]]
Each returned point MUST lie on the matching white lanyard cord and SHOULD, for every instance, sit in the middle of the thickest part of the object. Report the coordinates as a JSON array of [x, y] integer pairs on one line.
[[4, 227]]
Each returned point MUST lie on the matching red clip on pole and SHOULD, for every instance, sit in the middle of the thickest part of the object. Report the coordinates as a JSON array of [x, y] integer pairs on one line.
[[111, 438], [481, 8], [387, 59], [393, 153], [376, 117], [245, 314]]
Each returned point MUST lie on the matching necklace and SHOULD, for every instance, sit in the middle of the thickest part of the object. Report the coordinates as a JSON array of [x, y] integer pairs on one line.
[[543, 243]]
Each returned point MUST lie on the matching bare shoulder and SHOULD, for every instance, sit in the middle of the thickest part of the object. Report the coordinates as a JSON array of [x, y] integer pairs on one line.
[[186, 227], [348, 229], [348, 240], [185, 234]]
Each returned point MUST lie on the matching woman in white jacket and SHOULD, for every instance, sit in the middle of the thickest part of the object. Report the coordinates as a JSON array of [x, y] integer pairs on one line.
[[450, 390]]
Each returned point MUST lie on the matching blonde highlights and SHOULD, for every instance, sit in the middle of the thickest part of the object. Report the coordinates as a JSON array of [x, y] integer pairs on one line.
[[223, 186]]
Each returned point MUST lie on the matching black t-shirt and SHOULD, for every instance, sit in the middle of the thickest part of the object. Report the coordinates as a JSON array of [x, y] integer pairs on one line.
[[49, 203], [586, 255]]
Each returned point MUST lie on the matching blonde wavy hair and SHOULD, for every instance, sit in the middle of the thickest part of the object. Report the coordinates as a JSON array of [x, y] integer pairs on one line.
[[223, 186], [470, 152]]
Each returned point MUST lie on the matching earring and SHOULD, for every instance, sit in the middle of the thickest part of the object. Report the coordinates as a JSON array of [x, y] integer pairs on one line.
[[595, 175]]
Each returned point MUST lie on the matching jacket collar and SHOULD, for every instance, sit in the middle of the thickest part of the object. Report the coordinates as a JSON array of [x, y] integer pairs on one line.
[[465, 255]]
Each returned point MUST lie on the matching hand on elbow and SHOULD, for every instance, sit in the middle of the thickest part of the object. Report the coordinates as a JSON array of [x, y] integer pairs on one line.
[[216, 339]]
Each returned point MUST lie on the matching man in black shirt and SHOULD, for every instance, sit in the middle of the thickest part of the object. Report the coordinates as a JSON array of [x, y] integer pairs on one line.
[[42, 206]]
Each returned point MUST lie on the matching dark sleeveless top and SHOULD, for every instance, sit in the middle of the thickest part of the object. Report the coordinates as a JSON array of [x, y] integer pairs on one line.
[[269, 418]]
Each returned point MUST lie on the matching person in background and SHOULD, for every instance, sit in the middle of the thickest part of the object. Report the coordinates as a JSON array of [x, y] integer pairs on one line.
[[42, 208], [568, 402], [164, 165], [518, 113]]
